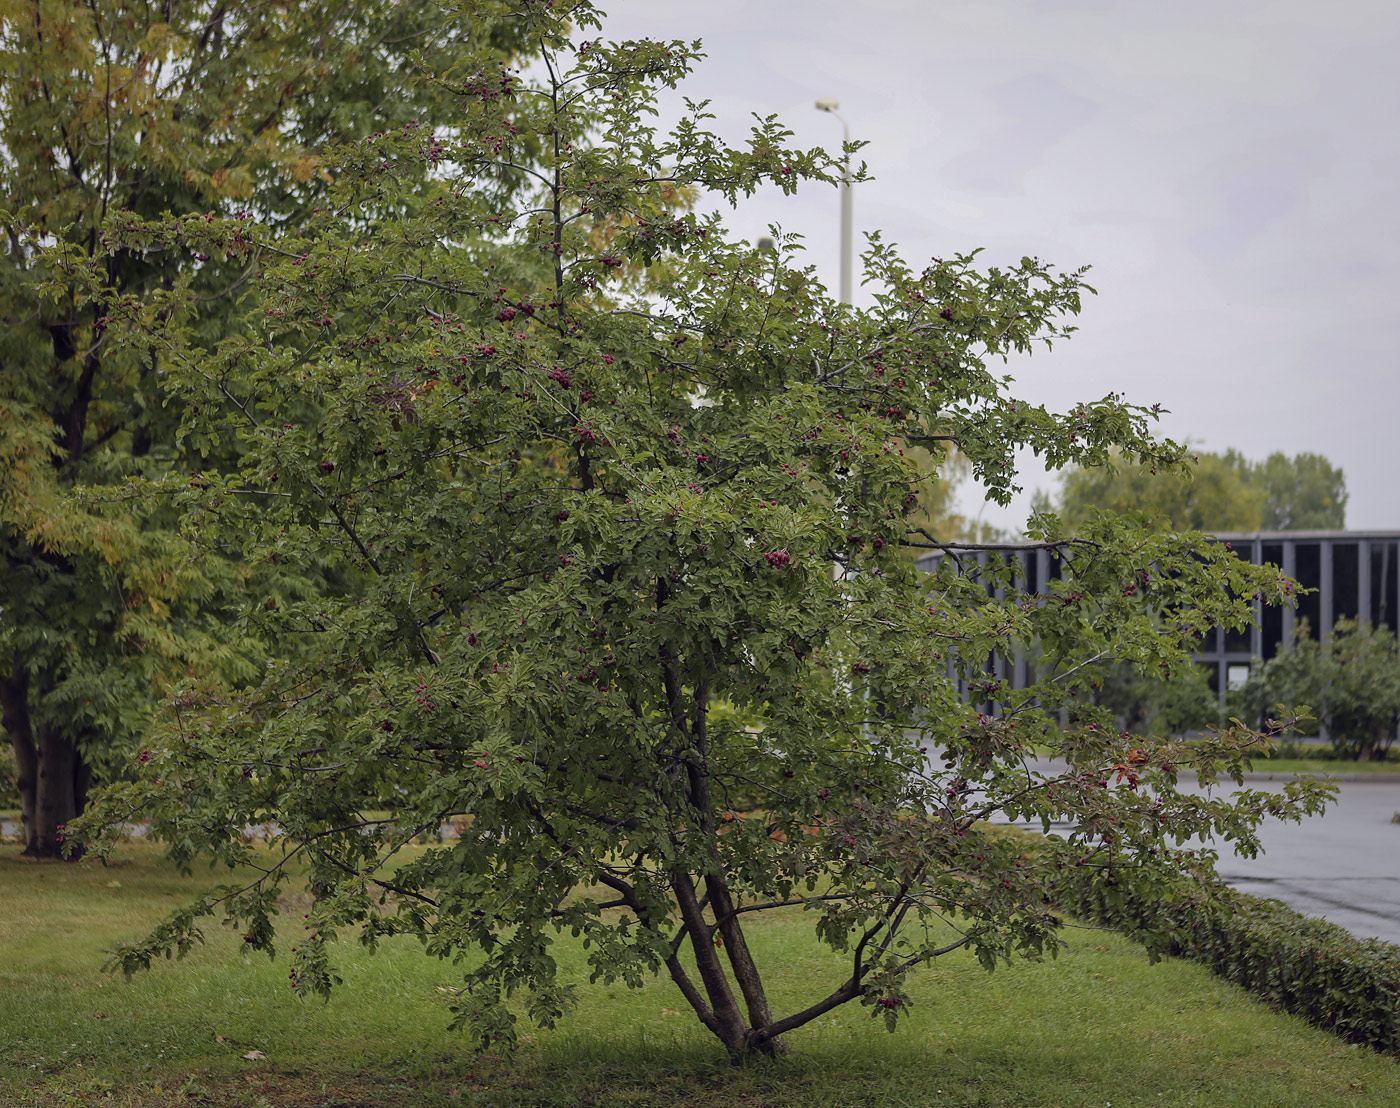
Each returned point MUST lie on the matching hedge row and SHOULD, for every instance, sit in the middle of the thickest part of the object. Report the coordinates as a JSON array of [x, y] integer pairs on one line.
[[1306, 966]]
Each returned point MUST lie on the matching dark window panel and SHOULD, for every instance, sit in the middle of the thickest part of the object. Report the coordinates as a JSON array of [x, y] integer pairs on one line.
[[1271, 618], [1241, 641], [1271, 631], [1346, 581], [1307, 568]]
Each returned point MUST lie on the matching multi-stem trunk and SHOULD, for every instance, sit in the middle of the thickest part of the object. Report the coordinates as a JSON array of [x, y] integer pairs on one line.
[[760, 1035], [691, 713]]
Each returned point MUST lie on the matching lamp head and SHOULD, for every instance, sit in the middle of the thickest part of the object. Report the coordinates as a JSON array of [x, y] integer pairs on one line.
[[827, 104]]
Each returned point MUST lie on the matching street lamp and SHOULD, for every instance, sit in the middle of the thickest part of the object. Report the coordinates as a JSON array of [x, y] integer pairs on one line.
[[826, 104]]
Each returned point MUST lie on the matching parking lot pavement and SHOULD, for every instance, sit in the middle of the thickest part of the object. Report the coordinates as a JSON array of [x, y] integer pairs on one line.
[[1343, 866]]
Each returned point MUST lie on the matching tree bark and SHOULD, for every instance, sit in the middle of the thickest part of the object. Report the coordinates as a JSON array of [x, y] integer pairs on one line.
[[742, 963], [729, 1021], [52, 775]]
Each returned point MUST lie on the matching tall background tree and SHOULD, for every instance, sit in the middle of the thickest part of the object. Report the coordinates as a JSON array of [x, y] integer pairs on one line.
[[1303, 493], [1213, 494], [1216, 493], [113, 106], [588, 527], [1219, 492]]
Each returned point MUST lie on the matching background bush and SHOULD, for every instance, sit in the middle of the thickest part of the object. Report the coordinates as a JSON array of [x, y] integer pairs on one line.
[[1351, 681], [9, 794]]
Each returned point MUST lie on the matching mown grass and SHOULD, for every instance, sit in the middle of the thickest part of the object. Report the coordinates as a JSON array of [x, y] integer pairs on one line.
[[1099, 1026], [1324, 765]]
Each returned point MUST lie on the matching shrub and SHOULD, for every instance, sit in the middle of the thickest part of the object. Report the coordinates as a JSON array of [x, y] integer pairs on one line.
[[1352, 680], [1305, 966], [9, 791]]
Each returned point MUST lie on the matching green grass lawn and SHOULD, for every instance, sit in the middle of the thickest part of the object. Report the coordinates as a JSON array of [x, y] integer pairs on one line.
[[1324, 765], [1097, 1027]]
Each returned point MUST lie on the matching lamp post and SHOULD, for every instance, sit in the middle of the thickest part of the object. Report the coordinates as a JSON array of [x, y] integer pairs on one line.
[[826, 104]]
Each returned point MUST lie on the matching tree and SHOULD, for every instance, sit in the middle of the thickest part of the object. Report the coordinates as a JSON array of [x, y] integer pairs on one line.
[[1351, 680], [1216, 493], [623, 558], [111, 106], [1302, 493], [1222, 492], [1155, 704]]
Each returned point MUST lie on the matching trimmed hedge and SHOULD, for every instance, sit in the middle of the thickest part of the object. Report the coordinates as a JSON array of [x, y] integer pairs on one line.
[[1306, 966]]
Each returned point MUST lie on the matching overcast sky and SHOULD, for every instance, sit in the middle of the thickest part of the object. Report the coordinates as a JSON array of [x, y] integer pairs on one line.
[[1229, 169]]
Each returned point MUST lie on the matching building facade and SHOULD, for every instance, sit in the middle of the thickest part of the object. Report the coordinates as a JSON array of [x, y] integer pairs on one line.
[[1342, 574]]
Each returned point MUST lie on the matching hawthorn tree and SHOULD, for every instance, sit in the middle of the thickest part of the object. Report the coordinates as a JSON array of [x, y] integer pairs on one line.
[[625, 519], [113, 106]]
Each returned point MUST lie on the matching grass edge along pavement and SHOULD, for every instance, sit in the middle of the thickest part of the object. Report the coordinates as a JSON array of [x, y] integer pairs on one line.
[[1283, 769], [1308, 967], [1099, 1025]]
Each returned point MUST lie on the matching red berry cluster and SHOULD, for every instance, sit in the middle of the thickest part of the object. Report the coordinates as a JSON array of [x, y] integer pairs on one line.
[[777, 558]]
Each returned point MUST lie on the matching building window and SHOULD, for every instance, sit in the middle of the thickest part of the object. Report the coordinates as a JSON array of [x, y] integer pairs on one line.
[[1346, 581], [1271, 615], [1307, 569]]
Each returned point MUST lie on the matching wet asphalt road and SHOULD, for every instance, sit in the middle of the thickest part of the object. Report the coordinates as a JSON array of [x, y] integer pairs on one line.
[[1343, 866]]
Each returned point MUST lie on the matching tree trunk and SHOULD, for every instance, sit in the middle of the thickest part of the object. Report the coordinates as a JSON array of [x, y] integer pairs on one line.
[[59, 796], [727, 1021], [736, 948], [761, 1036], [52, 775]]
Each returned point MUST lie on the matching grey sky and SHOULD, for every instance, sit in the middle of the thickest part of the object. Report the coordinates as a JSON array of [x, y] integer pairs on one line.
[[1231, 170]]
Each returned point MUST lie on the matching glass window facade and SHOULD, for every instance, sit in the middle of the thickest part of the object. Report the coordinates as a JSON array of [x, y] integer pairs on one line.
[[1346, 574]]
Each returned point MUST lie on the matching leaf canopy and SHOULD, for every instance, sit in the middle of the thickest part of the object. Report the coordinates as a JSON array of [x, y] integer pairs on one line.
[[620, 530]]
